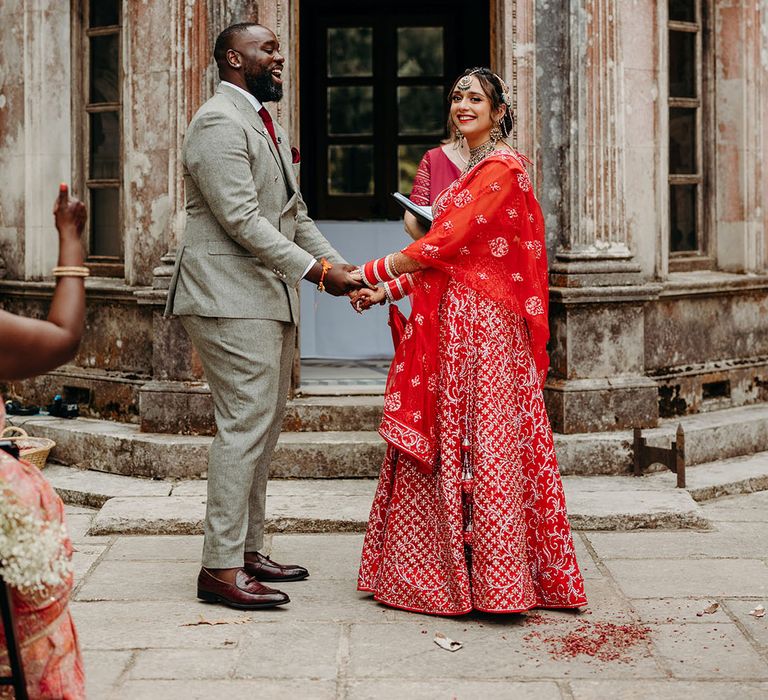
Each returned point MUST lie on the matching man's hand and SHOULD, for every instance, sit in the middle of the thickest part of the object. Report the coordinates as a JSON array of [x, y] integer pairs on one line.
[[339, 280]]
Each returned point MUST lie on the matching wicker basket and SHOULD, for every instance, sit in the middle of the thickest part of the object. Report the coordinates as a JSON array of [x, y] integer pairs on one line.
[[31, 449]]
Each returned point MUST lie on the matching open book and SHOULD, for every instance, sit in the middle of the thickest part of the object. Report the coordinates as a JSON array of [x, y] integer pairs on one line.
[[422, 214]]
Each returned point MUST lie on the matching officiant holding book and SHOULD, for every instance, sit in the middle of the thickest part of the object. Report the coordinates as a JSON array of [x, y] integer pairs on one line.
[[438, 168]]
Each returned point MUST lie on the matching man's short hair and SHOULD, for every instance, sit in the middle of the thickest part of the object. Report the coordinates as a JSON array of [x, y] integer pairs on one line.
[[224, 40]]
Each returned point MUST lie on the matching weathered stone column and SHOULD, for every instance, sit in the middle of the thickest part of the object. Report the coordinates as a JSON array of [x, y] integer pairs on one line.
[[177, 400], [597, 296]]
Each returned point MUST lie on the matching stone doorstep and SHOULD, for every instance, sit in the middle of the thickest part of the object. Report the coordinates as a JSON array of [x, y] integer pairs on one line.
[[120, 448], [133, 506], [344, 505]]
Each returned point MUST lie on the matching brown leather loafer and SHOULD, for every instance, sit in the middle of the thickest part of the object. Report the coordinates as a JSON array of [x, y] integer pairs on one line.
[[245, 594], [264, 569]]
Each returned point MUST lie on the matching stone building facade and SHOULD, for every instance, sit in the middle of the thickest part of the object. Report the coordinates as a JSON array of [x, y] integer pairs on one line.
[[644, 119]]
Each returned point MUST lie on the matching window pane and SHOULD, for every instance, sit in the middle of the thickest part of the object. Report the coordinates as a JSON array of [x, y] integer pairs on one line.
[[350, 51], [104, 69], [350, 110], [408, 158], [682, 10], [104, 13], [421, 110], [350, 169], [419, 51], [105, 146], [682, 64], [682, 218], [105, 222], [682, 141]]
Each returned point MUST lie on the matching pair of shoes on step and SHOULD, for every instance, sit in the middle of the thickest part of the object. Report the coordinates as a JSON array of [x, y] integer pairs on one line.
[[248, 592]]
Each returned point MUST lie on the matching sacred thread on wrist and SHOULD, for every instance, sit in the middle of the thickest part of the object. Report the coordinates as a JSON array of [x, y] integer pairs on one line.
[[326, 266]]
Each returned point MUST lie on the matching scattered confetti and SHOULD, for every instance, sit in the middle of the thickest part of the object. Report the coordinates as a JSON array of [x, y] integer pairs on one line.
[[446, 642], [709, 610]]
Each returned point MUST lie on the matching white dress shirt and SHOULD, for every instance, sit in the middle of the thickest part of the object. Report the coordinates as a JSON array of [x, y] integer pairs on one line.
[[257, 106]]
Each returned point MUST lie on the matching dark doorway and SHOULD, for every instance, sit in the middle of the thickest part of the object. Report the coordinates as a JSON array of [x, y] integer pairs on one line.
[[374, 86]]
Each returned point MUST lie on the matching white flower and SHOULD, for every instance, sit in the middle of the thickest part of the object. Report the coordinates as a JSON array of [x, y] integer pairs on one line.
[[480, 219], [419, 319], [524, 182], [415, 381], [416, 416], [512, 213], [448, 225], [517, 277], [33, 556], [464, 250], [495, 186]]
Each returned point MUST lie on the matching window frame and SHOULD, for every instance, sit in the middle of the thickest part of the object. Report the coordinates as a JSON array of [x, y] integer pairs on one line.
[[385, 18], [100, 266], [703, 257]]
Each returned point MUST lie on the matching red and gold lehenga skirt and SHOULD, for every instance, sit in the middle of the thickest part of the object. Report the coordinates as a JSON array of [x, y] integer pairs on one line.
[[488, 529]]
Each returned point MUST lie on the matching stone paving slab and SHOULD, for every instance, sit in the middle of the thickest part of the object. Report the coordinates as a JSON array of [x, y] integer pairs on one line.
[[741, 509], [724, 540], [668, 690], [455, 689], [716, 650], [723, 478], [667, 578], [400, 651], [227, 688], [85, 487]]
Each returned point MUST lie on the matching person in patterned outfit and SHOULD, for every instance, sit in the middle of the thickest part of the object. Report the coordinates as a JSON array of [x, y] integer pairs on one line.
[[469, 513]]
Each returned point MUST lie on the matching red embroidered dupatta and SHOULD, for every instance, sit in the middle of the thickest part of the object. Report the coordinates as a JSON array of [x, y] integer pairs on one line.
[[488, 234]]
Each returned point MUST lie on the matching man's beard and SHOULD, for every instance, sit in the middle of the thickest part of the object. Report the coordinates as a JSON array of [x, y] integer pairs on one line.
[[262, 87]]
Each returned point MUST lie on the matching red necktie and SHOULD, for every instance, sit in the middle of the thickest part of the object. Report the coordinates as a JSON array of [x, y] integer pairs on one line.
[[267, 119]]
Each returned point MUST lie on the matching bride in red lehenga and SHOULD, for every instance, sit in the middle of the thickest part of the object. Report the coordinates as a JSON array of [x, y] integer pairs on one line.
[[469, 512]]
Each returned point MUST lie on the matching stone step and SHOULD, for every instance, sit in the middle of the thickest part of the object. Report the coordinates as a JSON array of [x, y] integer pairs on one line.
[[319, 413], [342, 505], [133, 506], [727, 477], [120, 448]]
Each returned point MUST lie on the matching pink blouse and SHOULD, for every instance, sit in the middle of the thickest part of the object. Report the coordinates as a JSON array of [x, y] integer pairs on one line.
[[436, 171]]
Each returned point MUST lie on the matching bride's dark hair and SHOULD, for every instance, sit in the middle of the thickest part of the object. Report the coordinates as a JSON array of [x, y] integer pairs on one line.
[[496, 92]]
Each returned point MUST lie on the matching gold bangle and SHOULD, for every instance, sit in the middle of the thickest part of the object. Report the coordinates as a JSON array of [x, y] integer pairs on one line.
[[71, 271]]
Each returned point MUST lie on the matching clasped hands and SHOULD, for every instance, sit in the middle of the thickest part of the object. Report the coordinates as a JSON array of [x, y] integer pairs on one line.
[[346, 279]]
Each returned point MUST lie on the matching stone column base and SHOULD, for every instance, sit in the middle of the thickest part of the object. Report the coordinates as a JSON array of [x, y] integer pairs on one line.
[[184, 408], [598, 405]]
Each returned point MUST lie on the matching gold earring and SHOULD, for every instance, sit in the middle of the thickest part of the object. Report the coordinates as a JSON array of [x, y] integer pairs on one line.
[[495, 133]]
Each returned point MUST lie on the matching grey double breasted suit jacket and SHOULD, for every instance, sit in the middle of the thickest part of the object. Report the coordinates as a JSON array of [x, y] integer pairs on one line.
[[248, 238]]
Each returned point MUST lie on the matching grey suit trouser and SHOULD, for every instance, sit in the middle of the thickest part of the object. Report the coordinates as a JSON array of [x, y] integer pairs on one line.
[[247, 363]]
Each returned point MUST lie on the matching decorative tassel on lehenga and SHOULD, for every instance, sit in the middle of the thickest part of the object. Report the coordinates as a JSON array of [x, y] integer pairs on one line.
[[467, 487]]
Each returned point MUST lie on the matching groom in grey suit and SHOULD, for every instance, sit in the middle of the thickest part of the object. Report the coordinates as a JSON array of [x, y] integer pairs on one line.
[[247, 245]]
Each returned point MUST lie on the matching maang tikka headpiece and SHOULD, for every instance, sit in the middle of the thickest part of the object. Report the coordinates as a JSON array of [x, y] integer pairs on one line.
[[465, 82]]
